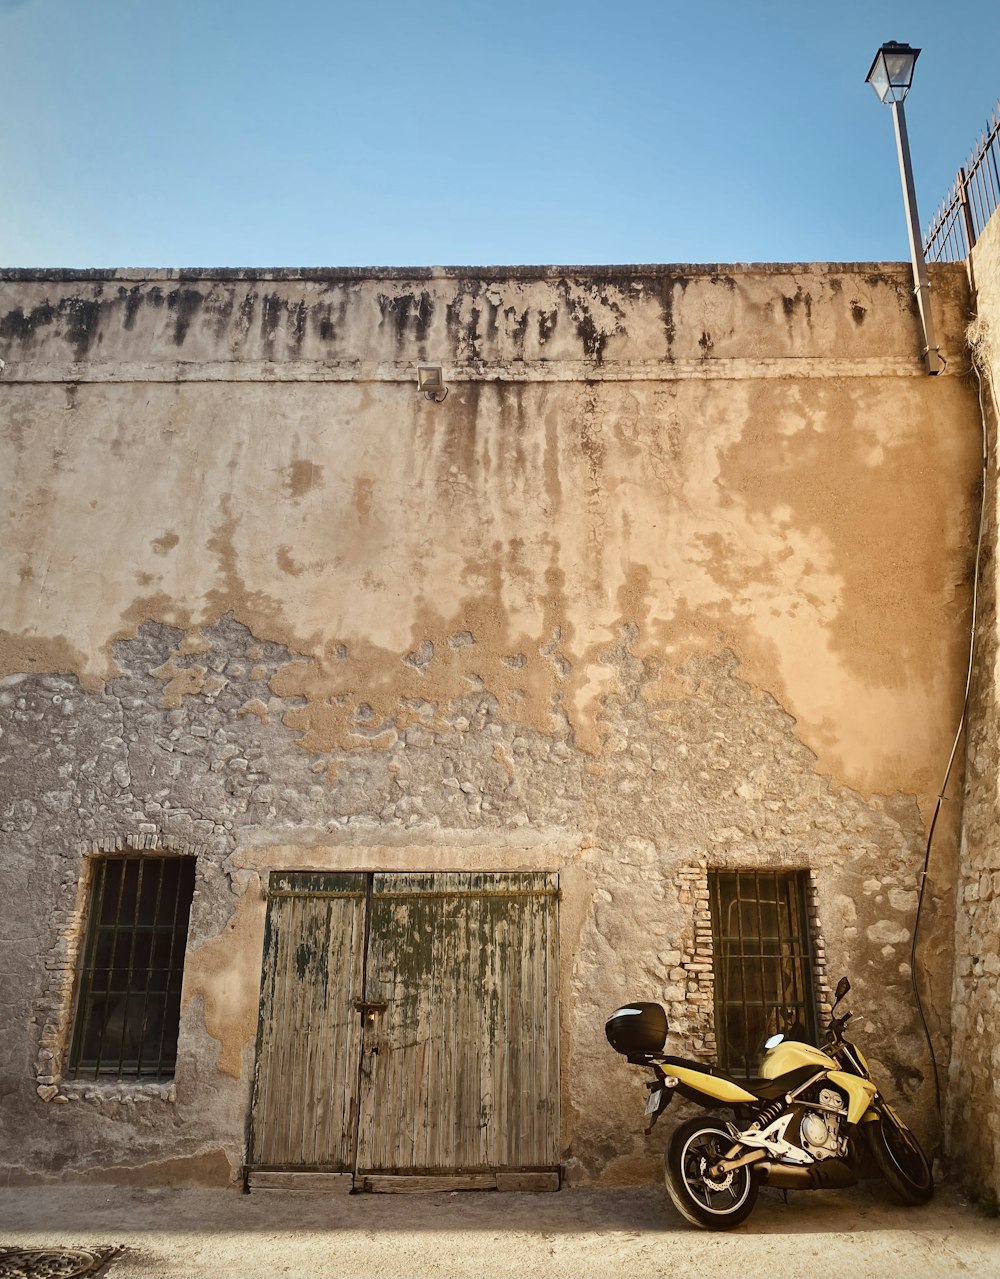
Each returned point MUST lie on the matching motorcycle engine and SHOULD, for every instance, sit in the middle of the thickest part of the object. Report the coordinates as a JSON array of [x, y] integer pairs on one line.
[[819, 1130]]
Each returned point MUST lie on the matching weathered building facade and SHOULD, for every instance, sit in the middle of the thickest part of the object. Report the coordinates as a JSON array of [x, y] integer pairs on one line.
[[473, 718]]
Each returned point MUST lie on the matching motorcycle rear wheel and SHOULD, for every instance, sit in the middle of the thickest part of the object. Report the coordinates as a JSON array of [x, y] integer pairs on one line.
[[711, 1204], [900, 1160]]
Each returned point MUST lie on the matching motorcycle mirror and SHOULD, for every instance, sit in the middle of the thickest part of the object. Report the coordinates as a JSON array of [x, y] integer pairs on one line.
[[773, 1041], [843, 986]]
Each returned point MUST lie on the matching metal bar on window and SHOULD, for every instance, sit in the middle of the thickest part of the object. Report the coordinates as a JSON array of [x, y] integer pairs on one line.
[[126, 1001], [84, 1003], [742, 948], [120, 866], [761, 967], [718, 952], [161, 867], [808, 958], [168, 984], [785, 954]]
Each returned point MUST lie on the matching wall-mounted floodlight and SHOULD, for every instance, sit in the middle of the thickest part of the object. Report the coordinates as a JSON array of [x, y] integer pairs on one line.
[[430, 381], [891, 75]]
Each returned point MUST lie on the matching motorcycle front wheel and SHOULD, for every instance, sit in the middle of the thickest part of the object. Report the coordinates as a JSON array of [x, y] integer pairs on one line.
[[900, 1160], [713, 1203]]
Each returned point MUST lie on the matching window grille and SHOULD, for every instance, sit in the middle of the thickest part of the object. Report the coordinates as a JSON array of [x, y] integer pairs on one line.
[[763, 963], [128, 1010]]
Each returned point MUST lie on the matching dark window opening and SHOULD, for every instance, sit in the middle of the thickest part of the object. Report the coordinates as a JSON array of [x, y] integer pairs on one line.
[[763, 963], [128, 1010]]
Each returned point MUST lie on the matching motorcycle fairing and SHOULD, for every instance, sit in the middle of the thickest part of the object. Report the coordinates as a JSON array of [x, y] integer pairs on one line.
[[719, 1087], [859, 1093], [790, 1055], [698, 1081]]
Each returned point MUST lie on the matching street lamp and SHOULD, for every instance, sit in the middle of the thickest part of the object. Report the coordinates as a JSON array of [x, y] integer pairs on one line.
[[891, 75]]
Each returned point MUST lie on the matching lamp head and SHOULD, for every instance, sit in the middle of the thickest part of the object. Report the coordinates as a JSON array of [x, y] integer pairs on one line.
[[891, 72], [430, 382]]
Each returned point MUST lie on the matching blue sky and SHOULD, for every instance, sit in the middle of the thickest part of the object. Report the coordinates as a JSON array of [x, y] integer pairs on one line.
[[300, 133]]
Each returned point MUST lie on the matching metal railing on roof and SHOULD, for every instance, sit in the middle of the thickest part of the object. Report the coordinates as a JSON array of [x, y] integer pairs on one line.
[[973, 197]]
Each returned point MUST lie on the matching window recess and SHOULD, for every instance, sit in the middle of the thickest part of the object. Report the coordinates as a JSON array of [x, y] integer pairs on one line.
[[128, 1007], [763, 963]]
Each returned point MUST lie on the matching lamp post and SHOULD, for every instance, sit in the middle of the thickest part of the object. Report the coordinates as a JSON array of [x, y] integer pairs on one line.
[[891, 75]]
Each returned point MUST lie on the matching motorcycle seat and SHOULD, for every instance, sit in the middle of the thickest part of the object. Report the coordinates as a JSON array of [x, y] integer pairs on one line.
[[764, 1089]]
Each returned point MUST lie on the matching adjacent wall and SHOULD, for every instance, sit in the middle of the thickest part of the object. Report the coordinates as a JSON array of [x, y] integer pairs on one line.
[[676, 578], [973, 1110]]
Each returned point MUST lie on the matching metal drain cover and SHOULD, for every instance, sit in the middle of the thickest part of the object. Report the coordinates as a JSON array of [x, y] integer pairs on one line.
[[53, 1263]]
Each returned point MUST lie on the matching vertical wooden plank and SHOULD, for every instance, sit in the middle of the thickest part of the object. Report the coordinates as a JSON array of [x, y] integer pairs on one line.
[[433, 1100], [278, 1020], [259, 1128], [552, 978], [321, 1064], [480, 938], [464, 984]]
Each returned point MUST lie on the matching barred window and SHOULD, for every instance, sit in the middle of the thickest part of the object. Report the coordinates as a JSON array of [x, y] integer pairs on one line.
[[763, 963], [128, 1009]]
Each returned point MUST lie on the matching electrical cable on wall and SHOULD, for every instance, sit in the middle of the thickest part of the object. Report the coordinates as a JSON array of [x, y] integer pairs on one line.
[[961, 722]]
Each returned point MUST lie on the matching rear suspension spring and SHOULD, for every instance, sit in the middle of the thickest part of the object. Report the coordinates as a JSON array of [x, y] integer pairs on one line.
[[769, 1113]]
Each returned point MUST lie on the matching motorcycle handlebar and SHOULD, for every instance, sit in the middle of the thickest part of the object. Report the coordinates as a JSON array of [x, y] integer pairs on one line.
[[837, 1025]]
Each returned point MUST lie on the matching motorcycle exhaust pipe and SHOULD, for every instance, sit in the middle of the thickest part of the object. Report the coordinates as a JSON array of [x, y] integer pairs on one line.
[[828, 1174]]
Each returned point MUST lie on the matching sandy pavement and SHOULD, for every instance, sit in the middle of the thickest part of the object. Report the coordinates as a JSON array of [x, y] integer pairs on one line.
[[188, 1232]]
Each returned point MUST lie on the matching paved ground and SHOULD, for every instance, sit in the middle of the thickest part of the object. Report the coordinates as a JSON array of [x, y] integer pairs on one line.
[[168, 1233]]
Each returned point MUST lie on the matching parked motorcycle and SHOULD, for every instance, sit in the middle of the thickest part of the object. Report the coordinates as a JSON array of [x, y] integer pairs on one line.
[[802, 1125]]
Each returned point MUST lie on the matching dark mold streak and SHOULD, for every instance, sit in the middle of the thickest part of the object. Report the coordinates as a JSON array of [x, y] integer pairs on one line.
[[323, 324], [516, 325], [270, 320], [133, 301], [403, 308], [220, 304], [791, 303], [662, 289], [297, 312], [593, 337], [18, 327], [186, 303], [246, 310], [82, 315], [79, 315]]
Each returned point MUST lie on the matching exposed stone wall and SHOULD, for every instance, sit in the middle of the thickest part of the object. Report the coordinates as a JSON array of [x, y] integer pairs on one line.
[[973, 1113], [673, 580]]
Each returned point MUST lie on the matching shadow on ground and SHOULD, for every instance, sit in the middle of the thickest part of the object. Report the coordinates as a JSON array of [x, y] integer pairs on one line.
[[186, 1232]]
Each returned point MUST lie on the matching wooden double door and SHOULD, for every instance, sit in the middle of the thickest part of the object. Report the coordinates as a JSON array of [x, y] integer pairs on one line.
[[409, 1030]]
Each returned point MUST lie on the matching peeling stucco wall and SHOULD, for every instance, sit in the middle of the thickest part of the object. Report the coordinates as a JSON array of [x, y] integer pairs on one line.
[[973, 1113], [676, 577]]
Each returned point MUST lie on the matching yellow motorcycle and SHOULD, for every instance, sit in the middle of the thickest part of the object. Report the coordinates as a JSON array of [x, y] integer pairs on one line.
[[799, 1126]]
